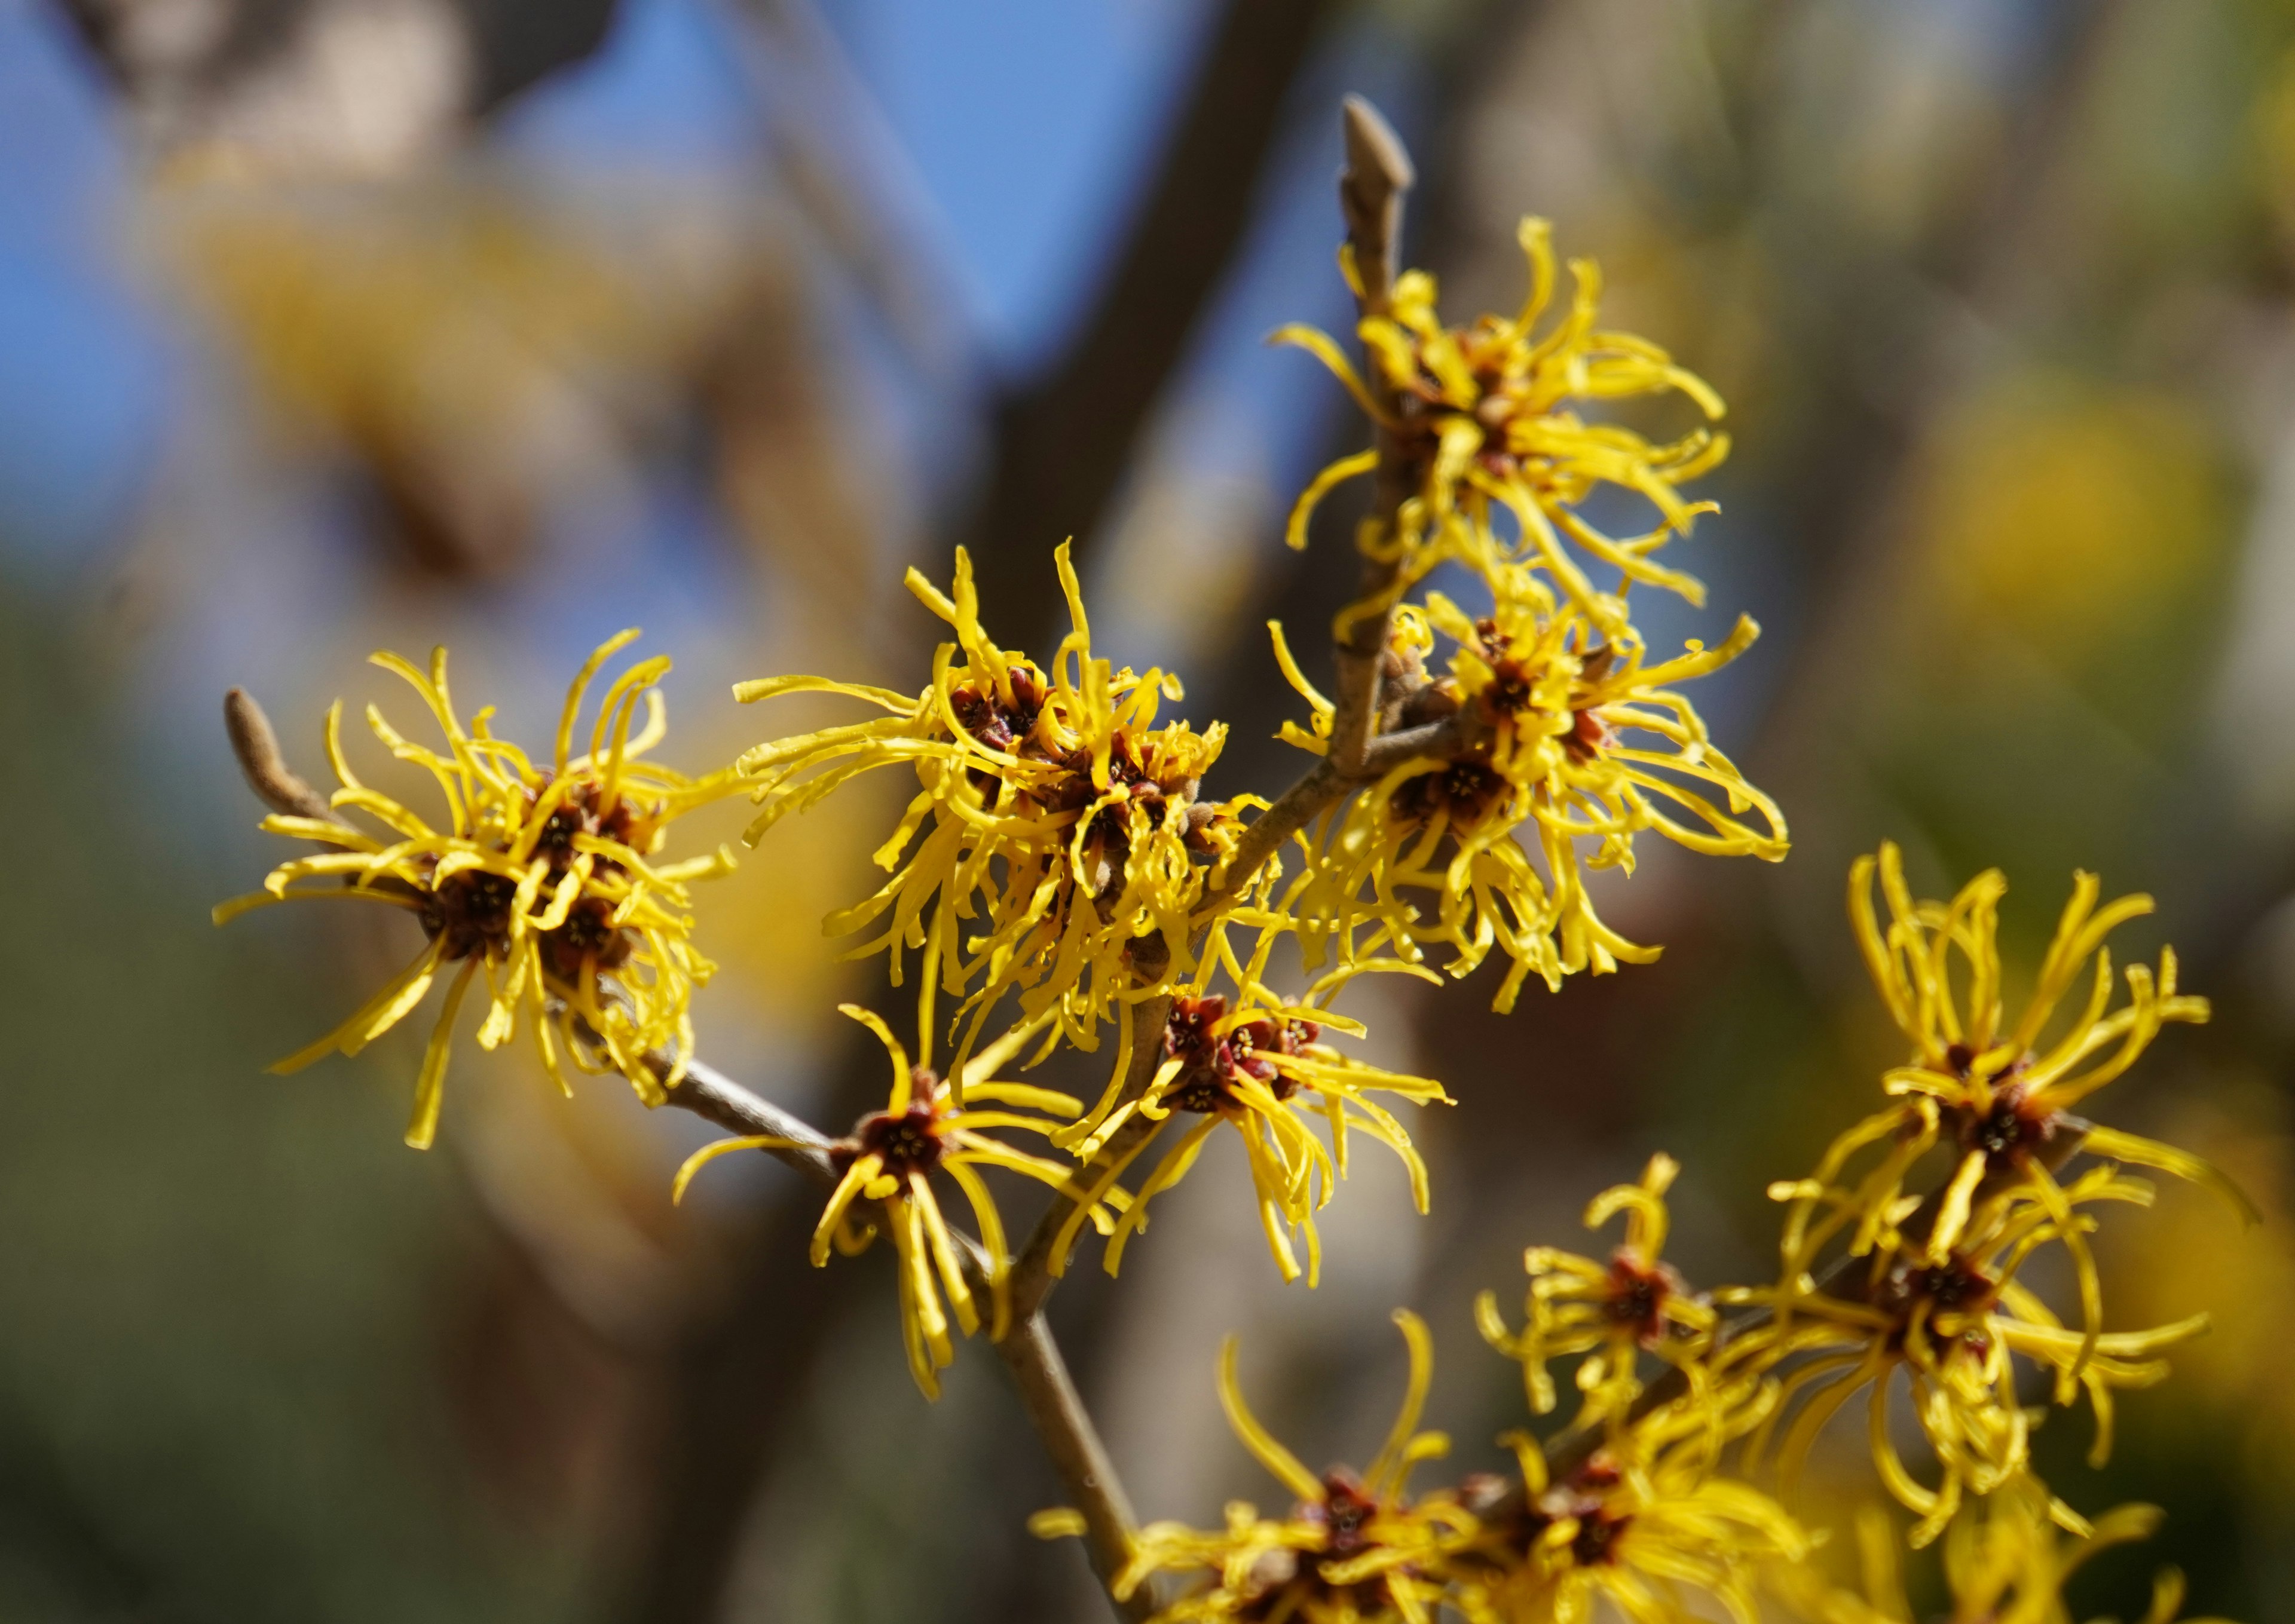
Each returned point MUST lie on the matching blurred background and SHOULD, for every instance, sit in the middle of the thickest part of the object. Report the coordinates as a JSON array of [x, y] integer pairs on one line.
[[328, 325]]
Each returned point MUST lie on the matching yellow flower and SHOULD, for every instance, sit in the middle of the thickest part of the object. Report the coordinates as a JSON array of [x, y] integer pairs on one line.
[[2004, 1563], [1056, 829], [1953, 1320], [1643, 1525], [544, 878], [1354, 1550], [1579, 738], [1613, 1312], [1257, 1065], [889, 1158], [1488, 414], [1998, 1093]]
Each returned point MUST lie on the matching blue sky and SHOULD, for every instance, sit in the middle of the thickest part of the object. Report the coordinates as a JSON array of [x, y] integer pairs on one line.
[[1026, 125]]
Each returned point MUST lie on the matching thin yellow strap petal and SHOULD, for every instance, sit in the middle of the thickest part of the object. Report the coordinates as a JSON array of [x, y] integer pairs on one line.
[[430, 1086], [708, 1153], [598, 657], [1257, 1438], [1294, 528], [1393, 1454]]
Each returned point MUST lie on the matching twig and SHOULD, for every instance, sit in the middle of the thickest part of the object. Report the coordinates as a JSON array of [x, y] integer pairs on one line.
[[1371, 189], [708, 1092], [1078, 1457], [256, 743]]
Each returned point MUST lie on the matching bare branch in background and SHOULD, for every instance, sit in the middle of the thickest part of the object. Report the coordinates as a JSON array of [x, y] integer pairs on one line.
[[1063, 443]]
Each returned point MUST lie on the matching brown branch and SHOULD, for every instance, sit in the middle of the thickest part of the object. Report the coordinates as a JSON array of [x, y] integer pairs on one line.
[[256, 743], [1078, 1457], [1371, 189], [708, 1092]]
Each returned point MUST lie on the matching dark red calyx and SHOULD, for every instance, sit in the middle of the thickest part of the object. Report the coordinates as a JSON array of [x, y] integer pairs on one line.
[[1465, 789], [1637, 1295], [907, 1140], [469, 912], [588, 936], [1589, 736]]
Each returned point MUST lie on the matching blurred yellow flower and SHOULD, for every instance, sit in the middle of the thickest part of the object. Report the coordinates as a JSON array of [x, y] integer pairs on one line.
[[1953, 1317], [2073, 517], [1998, 1093], [544, 879], [2004, 1563]]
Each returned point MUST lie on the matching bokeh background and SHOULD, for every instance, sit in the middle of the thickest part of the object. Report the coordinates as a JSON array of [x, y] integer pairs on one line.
[[328, 325]]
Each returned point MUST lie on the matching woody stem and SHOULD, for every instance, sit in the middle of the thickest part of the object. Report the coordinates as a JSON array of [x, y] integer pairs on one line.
[[1371, 188], [1030, 1351]]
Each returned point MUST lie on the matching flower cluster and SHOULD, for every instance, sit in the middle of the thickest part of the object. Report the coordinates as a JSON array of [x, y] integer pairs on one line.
[[1566, 733], [1643, 1523], [545, 879], [1650, 1501], [1488, 415], [1057, 844], [1058, 868], [1874, 1280], [1928, 1284]]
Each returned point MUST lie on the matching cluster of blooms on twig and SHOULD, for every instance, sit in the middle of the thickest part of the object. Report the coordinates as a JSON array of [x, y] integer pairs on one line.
[[1656, 1496], [1489, 415], [1060, 870], [1570, 735], [1057, 831]]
